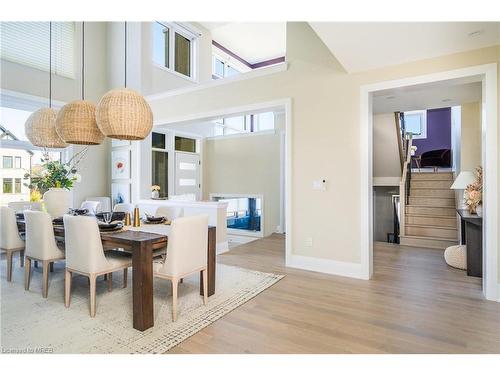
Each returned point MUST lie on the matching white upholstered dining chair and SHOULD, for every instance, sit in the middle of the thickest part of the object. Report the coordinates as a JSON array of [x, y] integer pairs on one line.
[[11, 241], [170, 213], [92, 206], [105, 203], [85, 256], [124, 207], [40, 246], [186, 254]]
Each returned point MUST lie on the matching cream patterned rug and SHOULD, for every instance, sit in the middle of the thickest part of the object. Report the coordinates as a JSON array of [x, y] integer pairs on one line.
[[30, 323]]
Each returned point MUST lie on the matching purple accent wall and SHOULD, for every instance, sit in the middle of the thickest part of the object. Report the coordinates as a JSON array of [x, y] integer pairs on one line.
[[243, 61], [438, 131]]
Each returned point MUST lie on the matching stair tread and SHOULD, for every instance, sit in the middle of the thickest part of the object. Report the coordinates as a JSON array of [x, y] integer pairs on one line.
[[429, 188], [430, 238], [424, 205], [429, 226], [432, 216]]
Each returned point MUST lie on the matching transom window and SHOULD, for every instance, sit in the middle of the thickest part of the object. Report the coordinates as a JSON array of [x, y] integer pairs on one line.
[[416, 124], [225, 65], [174, 48], [253, 123]]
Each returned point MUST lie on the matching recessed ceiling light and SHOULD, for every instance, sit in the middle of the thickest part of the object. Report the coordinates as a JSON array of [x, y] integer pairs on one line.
[[390, 97], [446, 100], [475, 33]]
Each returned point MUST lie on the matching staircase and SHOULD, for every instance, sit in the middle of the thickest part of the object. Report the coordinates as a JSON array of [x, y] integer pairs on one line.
[[430, 216]]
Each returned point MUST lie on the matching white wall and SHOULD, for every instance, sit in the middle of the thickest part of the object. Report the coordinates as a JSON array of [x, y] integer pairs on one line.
[[470, 149], [26, 80], [386, 161]]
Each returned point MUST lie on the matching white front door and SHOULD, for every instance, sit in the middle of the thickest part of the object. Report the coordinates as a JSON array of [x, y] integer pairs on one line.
[[187, 174]]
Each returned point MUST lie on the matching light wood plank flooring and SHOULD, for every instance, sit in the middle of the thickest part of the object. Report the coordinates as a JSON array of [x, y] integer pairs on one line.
[[415, 303]]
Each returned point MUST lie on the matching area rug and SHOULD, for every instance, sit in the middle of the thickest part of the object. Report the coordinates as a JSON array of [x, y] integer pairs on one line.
[[30, 323]]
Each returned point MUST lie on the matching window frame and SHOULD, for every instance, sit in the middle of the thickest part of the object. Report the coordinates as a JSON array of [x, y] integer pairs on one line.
[[227, 61], [16, 159], [6, 157], [4, 180], [188, 33], [423, 123]]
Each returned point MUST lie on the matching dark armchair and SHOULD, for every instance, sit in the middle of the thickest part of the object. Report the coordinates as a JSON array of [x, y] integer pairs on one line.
[[436, 159]]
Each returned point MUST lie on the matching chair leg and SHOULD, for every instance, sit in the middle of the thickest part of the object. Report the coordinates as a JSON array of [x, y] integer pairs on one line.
[[110, 282], [9, 265], [174, 299], [51, 266], [182, 280], [27, 274], [67, 288], [205, 286], [36, 263], [21, 258], [92, 279], [105, 276], [45, 278], [125, 275]]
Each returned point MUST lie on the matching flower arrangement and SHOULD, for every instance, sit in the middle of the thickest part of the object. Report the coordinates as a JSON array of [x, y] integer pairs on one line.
[[55, 174], [155, 188], [155, 191], [473, 196]]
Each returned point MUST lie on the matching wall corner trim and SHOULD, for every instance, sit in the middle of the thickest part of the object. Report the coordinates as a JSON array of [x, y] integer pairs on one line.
[[329, 266]]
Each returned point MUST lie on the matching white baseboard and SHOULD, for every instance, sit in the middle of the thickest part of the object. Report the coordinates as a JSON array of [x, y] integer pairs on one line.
[[332, 267], [222, 247]]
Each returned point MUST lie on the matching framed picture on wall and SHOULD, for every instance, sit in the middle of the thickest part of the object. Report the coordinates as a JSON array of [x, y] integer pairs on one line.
[[120, 164], [120, 193], [119, 143]]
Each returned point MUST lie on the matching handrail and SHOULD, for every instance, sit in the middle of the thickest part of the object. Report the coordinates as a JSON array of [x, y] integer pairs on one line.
[[404, 185], [400, 136]]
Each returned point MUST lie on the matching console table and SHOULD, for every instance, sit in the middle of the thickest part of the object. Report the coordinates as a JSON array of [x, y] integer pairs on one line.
[[472, 236]]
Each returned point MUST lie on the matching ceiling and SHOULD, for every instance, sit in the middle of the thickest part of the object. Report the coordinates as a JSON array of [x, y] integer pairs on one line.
[[428, 96], [253, 41], [361, 46]]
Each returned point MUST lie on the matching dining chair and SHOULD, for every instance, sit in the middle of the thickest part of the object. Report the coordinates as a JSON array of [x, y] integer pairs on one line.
[[92, 206], [170, 213], [186, 254], [25, 205], [104, 201], [85, 256], [124, 207], [11, 241], [41, 246]]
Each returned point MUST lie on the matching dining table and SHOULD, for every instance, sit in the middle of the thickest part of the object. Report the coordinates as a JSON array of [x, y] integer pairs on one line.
[[141, 241]]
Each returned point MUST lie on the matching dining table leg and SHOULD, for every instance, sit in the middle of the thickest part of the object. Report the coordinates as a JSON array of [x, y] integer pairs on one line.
[[142, 280], [211, 258]]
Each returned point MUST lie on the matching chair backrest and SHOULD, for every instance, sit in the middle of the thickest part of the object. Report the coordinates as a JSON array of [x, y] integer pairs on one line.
[[25, 205], [10, 235], [124, 207], [92, 206], [84, 250], [104, 201], [171, 213], [187, 245], [40, 239]]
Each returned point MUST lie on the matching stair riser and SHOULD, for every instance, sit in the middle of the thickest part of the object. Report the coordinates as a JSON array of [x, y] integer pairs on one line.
[[431, 211], [427, 201], [429, 220], [432, 176], [431, 184], [427, 243], [437, 193], [431, 232]]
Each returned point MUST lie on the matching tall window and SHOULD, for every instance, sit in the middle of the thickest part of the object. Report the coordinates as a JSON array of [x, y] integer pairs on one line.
[[17, 185], [416, 124], [173, 47], [7, 186], [27, 43], [159, 164], [7, 162], [17, 162]]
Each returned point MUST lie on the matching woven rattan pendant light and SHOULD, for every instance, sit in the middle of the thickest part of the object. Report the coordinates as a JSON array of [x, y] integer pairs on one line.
[[76, 123], [123, 113], [40, 127]]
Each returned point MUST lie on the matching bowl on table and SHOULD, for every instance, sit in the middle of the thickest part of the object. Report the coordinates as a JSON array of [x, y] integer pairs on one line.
[[111, 227], [116, 216], [154, 219]]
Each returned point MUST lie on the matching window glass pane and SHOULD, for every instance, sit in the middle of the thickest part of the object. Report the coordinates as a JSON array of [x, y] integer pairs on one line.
[[161, 44], [218, 130], [185, 144], [18, 186], [219, 68], [413, 124], [182, 55], [236, 124], [160, 172], [17, 162], [7, 185], [7, 162], [158, 140], [264, 121]]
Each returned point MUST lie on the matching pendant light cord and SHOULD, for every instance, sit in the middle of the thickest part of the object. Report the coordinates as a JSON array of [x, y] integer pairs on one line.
[[125, 54], [83, 60], [50, 64]]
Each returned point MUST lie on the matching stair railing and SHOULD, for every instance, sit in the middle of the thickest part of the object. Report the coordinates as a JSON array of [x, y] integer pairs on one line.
[[399, 120], [404, 185]]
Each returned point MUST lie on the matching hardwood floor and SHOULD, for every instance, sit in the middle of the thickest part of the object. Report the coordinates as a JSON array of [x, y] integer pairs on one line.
[[415, 303]]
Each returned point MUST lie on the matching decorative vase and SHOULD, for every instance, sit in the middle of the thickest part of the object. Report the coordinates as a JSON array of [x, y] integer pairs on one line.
[[479, 210], [155, 194], [57, 201]]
